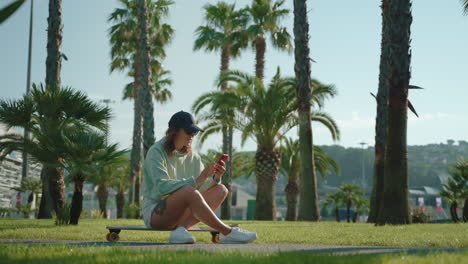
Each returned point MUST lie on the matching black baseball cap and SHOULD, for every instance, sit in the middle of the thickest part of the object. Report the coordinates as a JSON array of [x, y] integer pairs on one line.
[[184, 120]]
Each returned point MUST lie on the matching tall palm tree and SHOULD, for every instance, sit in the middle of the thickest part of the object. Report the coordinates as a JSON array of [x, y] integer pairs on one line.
[[309, 208], [124, 38], [266, 16], [395, 208], [381, 120], [46, 113], [224, 31]]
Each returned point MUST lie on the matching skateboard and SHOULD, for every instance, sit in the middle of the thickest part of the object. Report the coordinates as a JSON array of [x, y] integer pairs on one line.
[[113, 235]]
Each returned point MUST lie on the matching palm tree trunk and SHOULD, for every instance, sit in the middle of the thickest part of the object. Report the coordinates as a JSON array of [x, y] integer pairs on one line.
[[56, 187], [348, 210], [135, 156], [292, 197], [356, 214], [260, 49], [453, 211], [227, 143], [77, 202], [395, 208], [45, 206], [337, 214], [267, 166], [145, 99], [308, 209], [102, 195], [465, 211], [54, 44], [120, 201], [380, 122]]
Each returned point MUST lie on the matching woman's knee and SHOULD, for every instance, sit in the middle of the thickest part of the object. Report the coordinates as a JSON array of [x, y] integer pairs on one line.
[[223, 190], [190, 192]]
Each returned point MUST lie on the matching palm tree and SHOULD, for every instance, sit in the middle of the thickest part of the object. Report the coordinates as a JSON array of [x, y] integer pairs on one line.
[[124, 37], [104, 178], [265, 115], [46, 113], [395, 208], [359, 202], [265, 16], [120, 183], [224, 31], [86, 150], [336, 199], [381, 121], [350, 192], [465, 6], [456, 189], [32, 185], [291, 164]]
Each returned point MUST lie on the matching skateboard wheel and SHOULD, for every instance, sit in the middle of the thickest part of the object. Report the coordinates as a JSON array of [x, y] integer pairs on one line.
[[112, 237], [215, 237]]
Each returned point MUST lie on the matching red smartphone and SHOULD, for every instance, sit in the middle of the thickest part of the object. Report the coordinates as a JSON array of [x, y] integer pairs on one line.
[[223, 157]]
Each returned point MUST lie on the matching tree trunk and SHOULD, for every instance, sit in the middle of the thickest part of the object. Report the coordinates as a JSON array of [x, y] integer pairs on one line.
[[465, 211], [56, 187], [227, 144], [54, 44], [144, 78], [395, 208], [102, 195], [308, 206], [453, 211], [77, 202], [380, 122], [45, 206], [337, 214], [260, 49], [120, 201], [267, 166], [136, 153], [348, 210], [356, 214], [292, 197]]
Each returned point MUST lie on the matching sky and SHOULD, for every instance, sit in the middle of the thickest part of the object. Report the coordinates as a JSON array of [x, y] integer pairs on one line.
[[344, 42]]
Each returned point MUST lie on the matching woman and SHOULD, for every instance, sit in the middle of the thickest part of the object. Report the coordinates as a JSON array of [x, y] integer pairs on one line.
[[178, 191]]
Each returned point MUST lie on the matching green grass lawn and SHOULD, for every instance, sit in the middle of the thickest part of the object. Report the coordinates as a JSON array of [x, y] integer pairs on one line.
[[15, 254], [269, 232]]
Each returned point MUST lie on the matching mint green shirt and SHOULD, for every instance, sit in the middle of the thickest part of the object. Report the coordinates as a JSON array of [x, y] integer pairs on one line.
[[163, 174]]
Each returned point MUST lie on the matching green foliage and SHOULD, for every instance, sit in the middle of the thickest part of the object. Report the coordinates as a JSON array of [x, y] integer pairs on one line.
[[10, 9], [62, 216], [456, 189], [419, 215], [133, 211]]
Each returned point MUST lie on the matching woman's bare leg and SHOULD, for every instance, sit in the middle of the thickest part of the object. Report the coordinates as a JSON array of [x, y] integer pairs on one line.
[[214, 197], [178, 202]]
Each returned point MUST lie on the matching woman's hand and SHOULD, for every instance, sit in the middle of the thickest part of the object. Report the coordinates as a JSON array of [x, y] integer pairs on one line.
[[219, 169], [206, 172], [210, 169]]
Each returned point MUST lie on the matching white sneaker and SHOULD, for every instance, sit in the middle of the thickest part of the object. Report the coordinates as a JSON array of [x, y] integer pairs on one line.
[[237, 236], [180, 235]]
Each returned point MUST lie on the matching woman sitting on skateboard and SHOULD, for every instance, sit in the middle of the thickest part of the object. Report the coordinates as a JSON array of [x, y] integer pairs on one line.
[[178, 190]]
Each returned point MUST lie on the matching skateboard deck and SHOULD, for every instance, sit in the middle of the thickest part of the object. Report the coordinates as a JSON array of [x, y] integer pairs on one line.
[[113, 235]]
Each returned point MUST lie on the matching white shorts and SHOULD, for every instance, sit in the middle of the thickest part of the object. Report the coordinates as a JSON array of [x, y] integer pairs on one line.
[[147, 209]]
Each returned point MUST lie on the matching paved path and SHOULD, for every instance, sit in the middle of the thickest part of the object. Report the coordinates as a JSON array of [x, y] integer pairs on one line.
[[336, 250]]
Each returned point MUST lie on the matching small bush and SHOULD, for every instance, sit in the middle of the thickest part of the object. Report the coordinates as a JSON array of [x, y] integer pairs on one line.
[[62, 216], [420, 215], [133, 211]]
